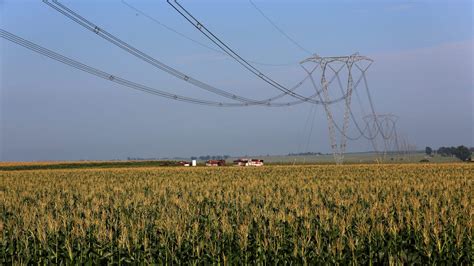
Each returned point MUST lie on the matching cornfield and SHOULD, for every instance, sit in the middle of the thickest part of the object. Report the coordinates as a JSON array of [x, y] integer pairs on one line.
[[357, 214]]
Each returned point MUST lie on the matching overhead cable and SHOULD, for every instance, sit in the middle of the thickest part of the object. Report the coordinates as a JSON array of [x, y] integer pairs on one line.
[[141, 55], [107, 76], [279, 29], [170, 29], [211, 36]]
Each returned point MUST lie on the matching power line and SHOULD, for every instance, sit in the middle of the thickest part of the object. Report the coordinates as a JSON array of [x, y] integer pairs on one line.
[[372, 108], [279, 29], [211, 36], [156, 21], [110, 77], [141, 55]]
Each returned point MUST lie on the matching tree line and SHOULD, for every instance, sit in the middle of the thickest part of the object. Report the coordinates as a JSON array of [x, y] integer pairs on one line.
[[211, 157], [463, 153]]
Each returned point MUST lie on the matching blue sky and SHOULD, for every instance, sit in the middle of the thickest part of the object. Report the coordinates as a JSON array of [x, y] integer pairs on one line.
[[423, 52]]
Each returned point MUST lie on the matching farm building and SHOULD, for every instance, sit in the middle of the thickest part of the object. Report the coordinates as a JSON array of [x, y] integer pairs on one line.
[[215, 163], [248, 162]]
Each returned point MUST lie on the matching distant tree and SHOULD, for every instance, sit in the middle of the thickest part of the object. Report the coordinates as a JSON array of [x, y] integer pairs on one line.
[[463, 153], [428, 151], [446, 151]]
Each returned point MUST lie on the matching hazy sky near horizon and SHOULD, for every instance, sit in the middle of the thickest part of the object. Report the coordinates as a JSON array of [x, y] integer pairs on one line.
[[423, 73]]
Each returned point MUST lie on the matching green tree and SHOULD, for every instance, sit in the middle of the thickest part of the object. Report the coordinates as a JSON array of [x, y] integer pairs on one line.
[[463, 153], [428, 151]]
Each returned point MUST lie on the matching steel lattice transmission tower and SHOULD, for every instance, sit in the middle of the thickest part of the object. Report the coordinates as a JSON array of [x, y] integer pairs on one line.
[[331, 68]]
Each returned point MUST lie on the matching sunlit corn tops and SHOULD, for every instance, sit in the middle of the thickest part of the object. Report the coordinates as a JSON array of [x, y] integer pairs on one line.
[[301, 214]]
